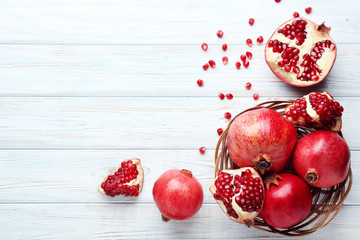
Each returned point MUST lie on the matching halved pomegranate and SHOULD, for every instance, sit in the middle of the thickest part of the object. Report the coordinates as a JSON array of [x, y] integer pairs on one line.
[[301, 52], [239, 193], [127, 180], [316, 110]]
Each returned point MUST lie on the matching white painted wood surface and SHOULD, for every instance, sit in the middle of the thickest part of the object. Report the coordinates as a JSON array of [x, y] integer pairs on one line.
[[87, 84]]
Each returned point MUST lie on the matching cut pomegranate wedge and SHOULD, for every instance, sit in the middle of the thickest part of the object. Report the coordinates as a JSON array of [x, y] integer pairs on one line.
[[301, 52], [127, 180], [316, 110], [239, 193]]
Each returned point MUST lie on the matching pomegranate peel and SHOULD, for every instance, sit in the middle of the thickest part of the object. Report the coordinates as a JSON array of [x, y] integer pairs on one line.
[[126, 180]]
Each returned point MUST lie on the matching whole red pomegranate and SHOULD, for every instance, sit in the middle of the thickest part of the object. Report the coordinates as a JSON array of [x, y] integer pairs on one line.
[[301, 52], [316, 110], [239, 193], [127, 180], [262, 139], [288, 200], [178, 194], [322, 158]]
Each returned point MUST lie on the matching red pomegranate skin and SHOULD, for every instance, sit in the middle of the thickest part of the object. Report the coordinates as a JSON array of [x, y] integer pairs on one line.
[[287, 203], [325, 152], [178, 195], [258, 132]]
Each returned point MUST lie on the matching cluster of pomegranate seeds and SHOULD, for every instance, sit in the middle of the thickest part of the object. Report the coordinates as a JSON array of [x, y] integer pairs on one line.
[[116, 184], [204, 46], [220, 131], [200, 83], [237, 65], [224, 47], [205, 66], [308, 10], [248, 85], [225, 60], [221, 96], [229, 96], [296, 14], [249, 42], [251, 191], [227, 115], [212, 63], [256, 96], [295, 30], [260, 40], [298, 110], [220, 33], [202, 150], [251, 21]]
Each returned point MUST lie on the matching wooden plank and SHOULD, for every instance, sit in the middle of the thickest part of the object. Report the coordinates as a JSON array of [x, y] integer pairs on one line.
[[133, 70], [130, 123], [142, 221], [161, 22], [45, 176]]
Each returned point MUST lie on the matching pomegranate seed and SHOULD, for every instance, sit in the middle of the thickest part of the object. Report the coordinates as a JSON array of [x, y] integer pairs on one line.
[[246, 64], [212, 63], [204, 46], [277, 1], [200, 82], [251, 21], [243, 57], [260, 39], [224, 47], [256, 96], [249, 55], [296, 14], [227, 115], [308, 10], [220, 131], [249, 42], [248, 85], [221, 95], [229, 96], [202, 150], [206, 66], [220, 33], [238, 65], [225, 60]]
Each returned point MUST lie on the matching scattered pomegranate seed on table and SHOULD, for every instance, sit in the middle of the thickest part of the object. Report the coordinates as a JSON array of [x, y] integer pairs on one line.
[[248, 85], [277, 1], [229, 96], [220, 131], [296, 14], [238, 65], [227, 115], [220, 33], [200, 82], [205, 66], [251, 21], [212, 63], [246, 64], [225, 60], [256, 96], [204, 46], [221, 95], [224, 47], [243, 57], [249, 55], [202, 150], [260, 39], [249, 42], [308, 10]]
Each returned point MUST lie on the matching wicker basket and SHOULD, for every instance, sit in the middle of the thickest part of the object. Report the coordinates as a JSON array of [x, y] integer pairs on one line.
[[326, 201]]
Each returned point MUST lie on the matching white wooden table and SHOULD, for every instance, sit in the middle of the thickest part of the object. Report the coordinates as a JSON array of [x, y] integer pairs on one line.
[[87, 84]]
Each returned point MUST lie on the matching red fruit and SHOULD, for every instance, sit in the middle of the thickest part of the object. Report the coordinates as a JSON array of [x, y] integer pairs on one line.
[[229, 96], [239, 193], [220, 131], [127, 180], [316, 110], [249, 55], [322, 158], [225, 60], [249, 42], [204, 46], [205, 66], [178, 194], [202, 150], [256, 96], [288, 200], [212, 63], [220, 33], [248, 85], [262, 139], [296, 14], [251, 21], [224, 47], [200, 82], [238, 65], [227, 115], [221, 96], [243, 57], [260, 39], [301, 52], [246, 64], [308, 10]]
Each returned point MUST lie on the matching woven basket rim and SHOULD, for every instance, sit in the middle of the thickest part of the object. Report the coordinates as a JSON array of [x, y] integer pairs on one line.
[[327, 202]]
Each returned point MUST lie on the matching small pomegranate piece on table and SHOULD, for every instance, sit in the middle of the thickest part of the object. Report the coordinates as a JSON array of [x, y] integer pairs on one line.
[[322, 158], [178, 194], [239, 193], [261, 138], [301, 52], [127, 180], [316, 110], [288, 200]]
